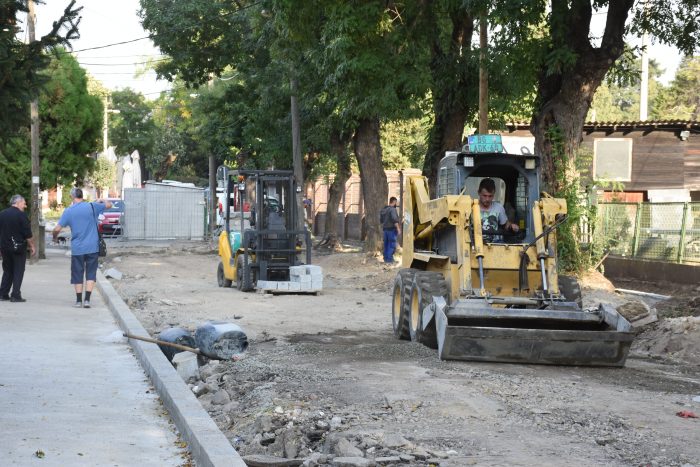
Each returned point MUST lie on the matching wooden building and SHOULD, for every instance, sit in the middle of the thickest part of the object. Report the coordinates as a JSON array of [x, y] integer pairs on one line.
[[651, 161]]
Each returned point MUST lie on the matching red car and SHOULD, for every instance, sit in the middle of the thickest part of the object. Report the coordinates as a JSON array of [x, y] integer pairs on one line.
[[111, 219]]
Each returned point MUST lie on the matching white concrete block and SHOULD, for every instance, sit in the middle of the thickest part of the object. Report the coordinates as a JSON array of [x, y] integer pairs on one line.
[[305, 279], [294, 286], [282, 285], [305, 286], [261, 285], [297, 270], [113, 273], [314, 269]]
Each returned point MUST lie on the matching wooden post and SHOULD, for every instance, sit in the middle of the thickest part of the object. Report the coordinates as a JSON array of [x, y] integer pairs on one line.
[[684, 223], [213, 201], [35, 211], [296, 154], [483, 77], [637, 222]]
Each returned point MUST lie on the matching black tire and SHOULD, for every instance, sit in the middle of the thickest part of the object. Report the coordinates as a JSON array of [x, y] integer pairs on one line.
[[401, 296], [426, 285], [221, 278], [243, 279], [570, 289]]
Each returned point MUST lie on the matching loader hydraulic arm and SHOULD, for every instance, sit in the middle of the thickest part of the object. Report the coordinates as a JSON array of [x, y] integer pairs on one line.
[[546, 216]]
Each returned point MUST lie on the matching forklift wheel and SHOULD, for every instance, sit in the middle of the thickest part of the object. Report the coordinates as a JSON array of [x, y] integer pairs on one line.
[[243, 279], [220, 278]]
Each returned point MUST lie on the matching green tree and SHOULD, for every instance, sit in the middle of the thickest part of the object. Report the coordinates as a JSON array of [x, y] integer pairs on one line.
[[70, 120], [71, 123], [20, 80], [681, 99], [618, 100], [21, 64], [572, 64], [133, 127], [369, 73], [103, 174], [448, 29], [403, 143]]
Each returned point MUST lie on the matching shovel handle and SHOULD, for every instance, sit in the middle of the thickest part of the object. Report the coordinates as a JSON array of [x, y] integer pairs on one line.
[[169, 344]]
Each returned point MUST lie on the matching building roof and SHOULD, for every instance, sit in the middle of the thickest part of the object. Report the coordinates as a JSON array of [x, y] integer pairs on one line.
[[630, 125]]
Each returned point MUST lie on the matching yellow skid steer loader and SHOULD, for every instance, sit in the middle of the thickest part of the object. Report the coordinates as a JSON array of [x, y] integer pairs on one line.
[[484, 294]]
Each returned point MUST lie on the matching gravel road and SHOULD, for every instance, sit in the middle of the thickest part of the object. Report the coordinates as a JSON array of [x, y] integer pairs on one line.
[[324, 379]]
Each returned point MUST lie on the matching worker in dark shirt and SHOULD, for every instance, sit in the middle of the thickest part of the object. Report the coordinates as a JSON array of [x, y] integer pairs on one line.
[[389, 218], [15, 234]]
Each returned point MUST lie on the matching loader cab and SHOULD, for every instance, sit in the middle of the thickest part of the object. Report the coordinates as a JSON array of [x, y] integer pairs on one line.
[[516, 177]]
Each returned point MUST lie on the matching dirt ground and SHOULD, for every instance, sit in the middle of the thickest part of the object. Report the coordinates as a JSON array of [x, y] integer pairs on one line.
[[324, 378]]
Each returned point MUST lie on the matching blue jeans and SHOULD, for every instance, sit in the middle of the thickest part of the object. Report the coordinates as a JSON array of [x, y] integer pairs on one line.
[[389, 245]]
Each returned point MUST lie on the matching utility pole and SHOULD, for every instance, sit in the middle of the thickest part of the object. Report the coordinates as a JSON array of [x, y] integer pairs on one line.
[[644, 87], [35, 211], [105, 124], [213, 198], [296, 155], [483, 77]]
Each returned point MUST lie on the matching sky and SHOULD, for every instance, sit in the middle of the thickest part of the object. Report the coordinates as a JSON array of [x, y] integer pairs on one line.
[[106, 22], [110, 21]]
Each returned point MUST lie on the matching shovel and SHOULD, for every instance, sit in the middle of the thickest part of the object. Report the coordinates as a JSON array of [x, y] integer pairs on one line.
[[184, 348]]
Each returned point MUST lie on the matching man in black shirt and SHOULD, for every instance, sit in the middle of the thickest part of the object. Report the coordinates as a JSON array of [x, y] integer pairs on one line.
[[390, 221], [15, 234]]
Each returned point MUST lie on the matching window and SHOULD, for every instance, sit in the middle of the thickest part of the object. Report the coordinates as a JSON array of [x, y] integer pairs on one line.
[[612, 159], [446, 181]]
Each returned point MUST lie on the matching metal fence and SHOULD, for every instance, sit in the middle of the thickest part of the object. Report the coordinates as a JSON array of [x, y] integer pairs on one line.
[[164, 212], [655, 231]]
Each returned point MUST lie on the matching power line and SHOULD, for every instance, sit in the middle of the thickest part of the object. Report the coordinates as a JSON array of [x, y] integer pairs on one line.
[[141, 56], [151, 36], [124, 64], [117, 72], [111, 45]]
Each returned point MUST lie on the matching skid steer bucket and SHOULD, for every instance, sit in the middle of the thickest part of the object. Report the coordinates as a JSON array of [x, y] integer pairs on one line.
[[470, 329]]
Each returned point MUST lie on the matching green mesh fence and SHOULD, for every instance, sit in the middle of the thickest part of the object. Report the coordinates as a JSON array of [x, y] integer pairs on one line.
[[655, 231]]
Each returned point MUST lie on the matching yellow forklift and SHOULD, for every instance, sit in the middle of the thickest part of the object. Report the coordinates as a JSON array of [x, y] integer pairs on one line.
[[261, 246]]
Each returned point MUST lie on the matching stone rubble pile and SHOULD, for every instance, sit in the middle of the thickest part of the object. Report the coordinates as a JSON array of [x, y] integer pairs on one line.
[[302, 434]]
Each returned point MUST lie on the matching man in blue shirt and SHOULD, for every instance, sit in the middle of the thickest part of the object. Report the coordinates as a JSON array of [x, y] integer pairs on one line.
[[82, 217]]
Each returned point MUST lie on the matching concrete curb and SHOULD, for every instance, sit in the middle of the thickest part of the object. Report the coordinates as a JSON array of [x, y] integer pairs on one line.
[[208, 445]]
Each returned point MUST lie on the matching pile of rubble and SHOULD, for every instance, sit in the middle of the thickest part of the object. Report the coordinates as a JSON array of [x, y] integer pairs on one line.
[[271, 425]]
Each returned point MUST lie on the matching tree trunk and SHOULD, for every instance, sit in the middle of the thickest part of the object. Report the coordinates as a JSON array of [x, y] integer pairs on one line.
[[451, 77], [368, 151], [565, 95], [445, 135], [339, 146]]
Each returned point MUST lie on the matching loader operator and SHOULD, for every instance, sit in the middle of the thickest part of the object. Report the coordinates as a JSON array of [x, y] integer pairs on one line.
[[493, 215]]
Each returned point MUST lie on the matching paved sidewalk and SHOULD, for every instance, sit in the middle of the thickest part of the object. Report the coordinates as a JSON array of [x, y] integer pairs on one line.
[[70, 385]]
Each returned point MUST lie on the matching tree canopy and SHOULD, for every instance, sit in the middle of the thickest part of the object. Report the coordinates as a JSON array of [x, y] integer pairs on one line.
[[70, 120], [363, 72], [21, 64], [681, 99]]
